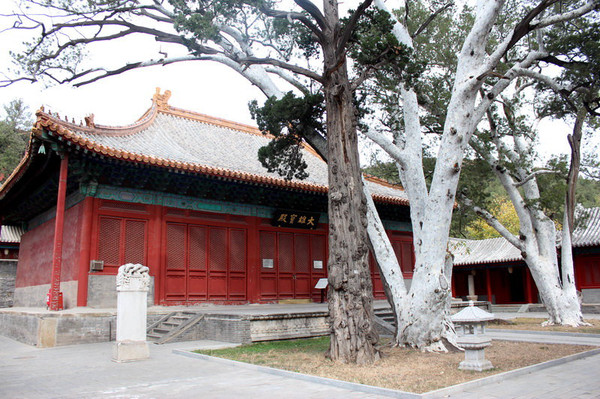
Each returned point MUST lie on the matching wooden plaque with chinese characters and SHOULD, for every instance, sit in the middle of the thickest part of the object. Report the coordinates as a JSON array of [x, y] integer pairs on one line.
[[295, 219]]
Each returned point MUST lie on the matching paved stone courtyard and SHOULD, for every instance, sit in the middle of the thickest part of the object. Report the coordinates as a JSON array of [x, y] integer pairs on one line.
[[86, 371]]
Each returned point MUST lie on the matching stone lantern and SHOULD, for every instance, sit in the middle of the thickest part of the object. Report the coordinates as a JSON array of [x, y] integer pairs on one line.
[[470, 327]]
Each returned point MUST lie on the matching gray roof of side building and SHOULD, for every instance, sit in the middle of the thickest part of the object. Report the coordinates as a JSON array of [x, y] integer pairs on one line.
[[587, 228], [494, 250], [10, 234]]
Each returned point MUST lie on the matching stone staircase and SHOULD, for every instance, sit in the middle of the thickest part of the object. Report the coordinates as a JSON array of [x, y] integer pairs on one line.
[[506, 308], [171, 326], [384, 318]]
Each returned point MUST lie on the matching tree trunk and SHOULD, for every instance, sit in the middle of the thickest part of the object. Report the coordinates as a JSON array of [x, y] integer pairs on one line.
[[425, 319], [353, 336], [575, 144], [385, 257], [561, 303]]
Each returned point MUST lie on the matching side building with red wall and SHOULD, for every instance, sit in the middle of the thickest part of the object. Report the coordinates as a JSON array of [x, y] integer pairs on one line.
[[494, 270], [184, 194]]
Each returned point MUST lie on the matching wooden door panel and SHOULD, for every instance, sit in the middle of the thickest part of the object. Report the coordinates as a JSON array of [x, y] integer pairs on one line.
[[175, 273], [196, 286], [268, 286], [267, 263], [237, 264], [285, 265], [302, 288], [302, 265], [204, 263], [217, 286], [237, 287], [286, 287], [175, 287]]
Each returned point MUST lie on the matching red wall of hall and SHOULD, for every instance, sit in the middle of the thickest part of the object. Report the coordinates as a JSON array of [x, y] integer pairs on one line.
[[108, 244], [35, 255]]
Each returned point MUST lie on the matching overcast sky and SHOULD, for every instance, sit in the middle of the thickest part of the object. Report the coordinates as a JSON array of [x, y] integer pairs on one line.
[[199, 86]]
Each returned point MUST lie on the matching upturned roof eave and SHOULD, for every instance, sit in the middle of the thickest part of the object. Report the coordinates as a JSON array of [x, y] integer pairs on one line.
[[68, 131], [19, 170], [63, 130]]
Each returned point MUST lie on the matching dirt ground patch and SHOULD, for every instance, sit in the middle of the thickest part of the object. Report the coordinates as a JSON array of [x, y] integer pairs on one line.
[[402, 369], [535, 324]]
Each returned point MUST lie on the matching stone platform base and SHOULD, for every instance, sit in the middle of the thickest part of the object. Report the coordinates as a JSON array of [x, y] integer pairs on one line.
[[129, 351], [42, 328]]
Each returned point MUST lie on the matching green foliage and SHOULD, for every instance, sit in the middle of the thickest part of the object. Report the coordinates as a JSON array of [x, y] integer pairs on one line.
[[13, 136], [385, 170], [373, 45], [288, 120], [578, 46], [478, 183], [201, 19], [588, 193], [293, 34]]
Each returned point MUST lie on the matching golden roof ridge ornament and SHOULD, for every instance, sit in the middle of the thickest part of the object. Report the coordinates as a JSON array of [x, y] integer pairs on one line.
[[89, 121], [162, 100]]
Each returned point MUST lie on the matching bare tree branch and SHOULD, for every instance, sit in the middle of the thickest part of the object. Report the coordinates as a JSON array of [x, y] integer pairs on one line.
[[491, 221], [431, 18], [310, 8], [317, 30], [290, 67], [288, 78], [350, 26], [535, 174]]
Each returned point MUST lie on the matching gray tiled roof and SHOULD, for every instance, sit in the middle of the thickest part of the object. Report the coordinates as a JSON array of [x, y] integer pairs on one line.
[[11, 234], [186, 140], [180, 139], [587, 230], [470, 252], [492, 250]]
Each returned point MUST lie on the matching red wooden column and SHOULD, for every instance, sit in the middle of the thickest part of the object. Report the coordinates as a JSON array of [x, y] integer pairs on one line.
[[58, 234], [254, 261], [155, 251], [488, 283], [528, 282], [452, 285], [84, 250]]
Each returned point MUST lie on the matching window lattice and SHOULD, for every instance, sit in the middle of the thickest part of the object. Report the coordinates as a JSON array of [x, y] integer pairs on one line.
[[267, 245], [135, 242], [176, 246], [302, 254], [109, 238], [218, 249], [197, 247], [237, 250], [286, 249]]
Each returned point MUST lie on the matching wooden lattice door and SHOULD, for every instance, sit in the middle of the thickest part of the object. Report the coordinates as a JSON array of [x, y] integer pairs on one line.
[[204, 263]]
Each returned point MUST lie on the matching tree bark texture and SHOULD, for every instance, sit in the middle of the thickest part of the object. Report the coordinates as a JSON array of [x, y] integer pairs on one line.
[[353, 336]]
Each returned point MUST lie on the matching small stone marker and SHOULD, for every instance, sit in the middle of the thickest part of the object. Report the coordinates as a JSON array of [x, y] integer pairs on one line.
[[132, 291], [470, 325]]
